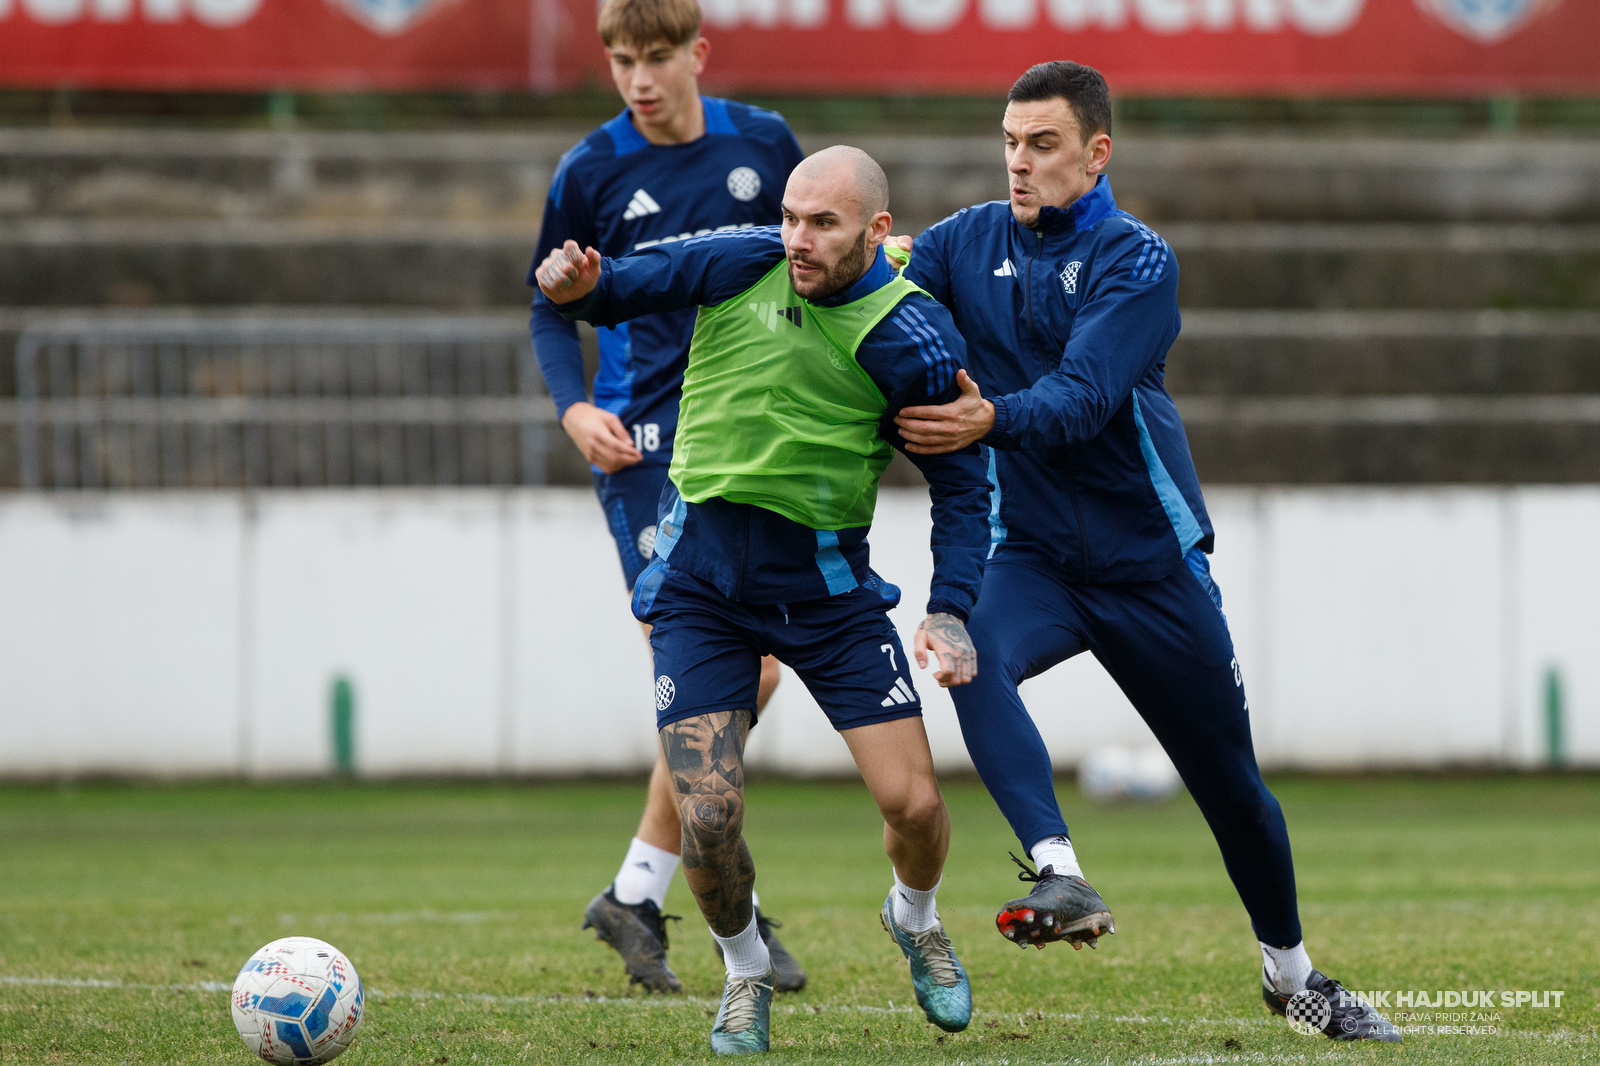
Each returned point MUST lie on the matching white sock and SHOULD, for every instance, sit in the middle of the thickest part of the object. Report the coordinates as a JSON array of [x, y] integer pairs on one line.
[[755, 900], [1056, 852], [645, 874], [1287, 968], [744, 953], [914, 907]]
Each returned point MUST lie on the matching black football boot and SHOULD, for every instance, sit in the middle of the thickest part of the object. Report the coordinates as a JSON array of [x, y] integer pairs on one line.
[[1060, 907], [789, 975], [1348, 1018], [638, 932]]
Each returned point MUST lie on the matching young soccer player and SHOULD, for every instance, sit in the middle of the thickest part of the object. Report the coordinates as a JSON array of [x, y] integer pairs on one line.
[[672, 165]]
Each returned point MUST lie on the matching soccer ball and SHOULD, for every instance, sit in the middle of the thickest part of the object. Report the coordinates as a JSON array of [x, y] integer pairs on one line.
[[1114, 773], [297, 1000]]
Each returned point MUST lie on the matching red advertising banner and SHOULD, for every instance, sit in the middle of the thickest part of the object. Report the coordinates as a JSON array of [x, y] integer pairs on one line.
[[1430, 47]]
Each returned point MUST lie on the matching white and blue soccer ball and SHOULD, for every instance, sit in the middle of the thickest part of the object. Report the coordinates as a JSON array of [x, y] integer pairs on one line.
[[1111, 773], [298, 1000]]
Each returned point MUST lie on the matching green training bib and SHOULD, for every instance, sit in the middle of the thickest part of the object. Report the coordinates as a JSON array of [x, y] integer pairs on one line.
[[776, 412]]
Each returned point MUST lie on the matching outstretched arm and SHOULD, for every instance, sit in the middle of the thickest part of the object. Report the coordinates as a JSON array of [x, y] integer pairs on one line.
[[1127, 322], [697, 272]]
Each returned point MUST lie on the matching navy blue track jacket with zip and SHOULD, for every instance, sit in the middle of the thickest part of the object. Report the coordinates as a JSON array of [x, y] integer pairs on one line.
[[1067, 328]]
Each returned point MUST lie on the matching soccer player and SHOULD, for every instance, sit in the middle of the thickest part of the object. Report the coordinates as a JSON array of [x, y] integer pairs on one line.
[[671, 165], [1100, 534], [806, 345]]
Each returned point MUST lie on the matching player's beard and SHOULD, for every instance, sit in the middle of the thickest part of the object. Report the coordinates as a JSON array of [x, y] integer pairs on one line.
[[838, 277]]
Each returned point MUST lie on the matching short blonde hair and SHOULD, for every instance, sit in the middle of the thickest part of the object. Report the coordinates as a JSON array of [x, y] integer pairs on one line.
[[643, 22]]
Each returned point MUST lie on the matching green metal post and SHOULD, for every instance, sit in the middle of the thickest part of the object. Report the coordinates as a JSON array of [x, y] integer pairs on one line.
[[1504, 113], [280, 109], [1553, 726], [344, 726]]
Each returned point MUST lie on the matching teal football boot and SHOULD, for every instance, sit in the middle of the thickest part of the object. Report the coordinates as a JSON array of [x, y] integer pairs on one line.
[[943, 991], [744, 1022]]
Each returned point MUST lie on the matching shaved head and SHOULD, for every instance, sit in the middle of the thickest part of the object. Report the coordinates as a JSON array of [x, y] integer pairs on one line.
[[835, 216], [849, 171]]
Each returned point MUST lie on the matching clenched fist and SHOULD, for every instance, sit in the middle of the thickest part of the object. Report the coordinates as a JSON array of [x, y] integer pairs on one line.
[[568, 274]]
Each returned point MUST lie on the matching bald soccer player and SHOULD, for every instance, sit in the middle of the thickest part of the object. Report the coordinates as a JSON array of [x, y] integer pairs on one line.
[[806, 346], [672, 165]]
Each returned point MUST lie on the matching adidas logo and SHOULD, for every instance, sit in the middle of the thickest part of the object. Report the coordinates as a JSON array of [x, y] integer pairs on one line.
[[1006, 270], [901, 693], [769, 313], [640, 205]]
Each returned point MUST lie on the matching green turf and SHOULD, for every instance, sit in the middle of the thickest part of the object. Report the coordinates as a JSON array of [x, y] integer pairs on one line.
[[460, 907]]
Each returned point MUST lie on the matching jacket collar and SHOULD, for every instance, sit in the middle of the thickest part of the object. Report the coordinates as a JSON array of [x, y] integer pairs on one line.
[[1081, 214], [626, 138], [877, 276]]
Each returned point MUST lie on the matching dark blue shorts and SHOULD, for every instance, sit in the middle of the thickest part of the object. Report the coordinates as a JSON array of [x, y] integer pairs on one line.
[[708, 649], [630, 499]]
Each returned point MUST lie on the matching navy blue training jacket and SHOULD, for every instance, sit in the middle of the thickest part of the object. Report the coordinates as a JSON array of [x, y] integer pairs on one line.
[[755, 555], [1067, 329], [617, 192]]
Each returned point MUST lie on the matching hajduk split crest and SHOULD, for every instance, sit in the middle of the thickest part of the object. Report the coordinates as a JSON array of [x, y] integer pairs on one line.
[[1487, 21], [388, 17]]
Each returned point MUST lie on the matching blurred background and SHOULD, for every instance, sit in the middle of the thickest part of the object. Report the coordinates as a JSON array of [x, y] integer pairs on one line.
[[281, 492]]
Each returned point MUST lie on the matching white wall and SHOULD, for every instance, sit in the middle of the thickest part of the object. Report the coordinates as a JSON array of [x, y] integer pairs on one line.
[[488, 631]]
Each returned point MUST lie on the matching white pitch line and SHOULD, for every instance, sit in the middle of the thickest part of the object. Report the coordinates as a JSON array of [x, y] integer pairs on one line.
[[652, 1003], [696, 1002]]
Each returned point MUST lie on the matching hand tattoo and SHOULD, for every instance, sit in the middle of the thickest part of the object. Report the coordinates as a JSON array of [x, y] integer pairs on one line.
[[705, 756], [957, 656]]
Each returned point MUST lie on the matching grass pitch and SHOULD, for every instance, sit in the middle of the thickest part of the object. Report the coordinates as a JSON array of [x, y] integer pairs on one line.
[[126, 911]]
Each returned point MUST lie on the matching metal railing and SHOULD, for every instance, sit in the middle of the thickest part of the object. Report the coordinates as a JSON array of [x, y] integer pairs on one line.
[[256, 402]]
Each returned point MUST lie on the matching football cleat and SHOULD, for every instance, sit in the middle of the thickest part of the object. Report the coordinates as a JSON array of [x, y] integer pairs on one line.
[[638, 932], [1349, 1018], [744, 1021], [1060, 907], [790, 975], [943, 991]]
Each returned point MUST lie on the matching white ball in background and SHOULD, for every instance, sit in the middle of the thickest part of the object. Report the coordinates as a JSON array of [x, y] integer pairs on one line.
[[1104, 773], [1154, 777], [1112, 772]]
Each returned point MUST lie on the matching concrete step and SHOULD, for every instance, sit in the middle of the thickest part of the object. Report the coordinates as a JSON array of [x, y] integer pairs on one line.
[[1383, 265], [120, 173], [1363, 353], [474, 265], [116, 173], [1395, 440]]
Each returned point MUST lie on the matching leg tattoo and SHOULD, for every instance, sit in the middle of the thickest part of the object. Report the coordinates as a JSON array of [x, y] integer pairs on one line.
[[705, 756]]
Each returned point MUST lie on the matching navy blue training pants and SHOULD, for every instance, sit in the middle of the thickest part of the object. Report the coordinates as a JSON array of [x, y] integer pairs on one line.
[[1166, 644]]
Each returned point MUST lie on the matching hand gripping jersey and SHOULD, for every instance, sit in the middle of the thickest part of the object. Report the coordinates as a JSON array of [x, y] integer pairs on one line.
[[776, 410], [619, 193]]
